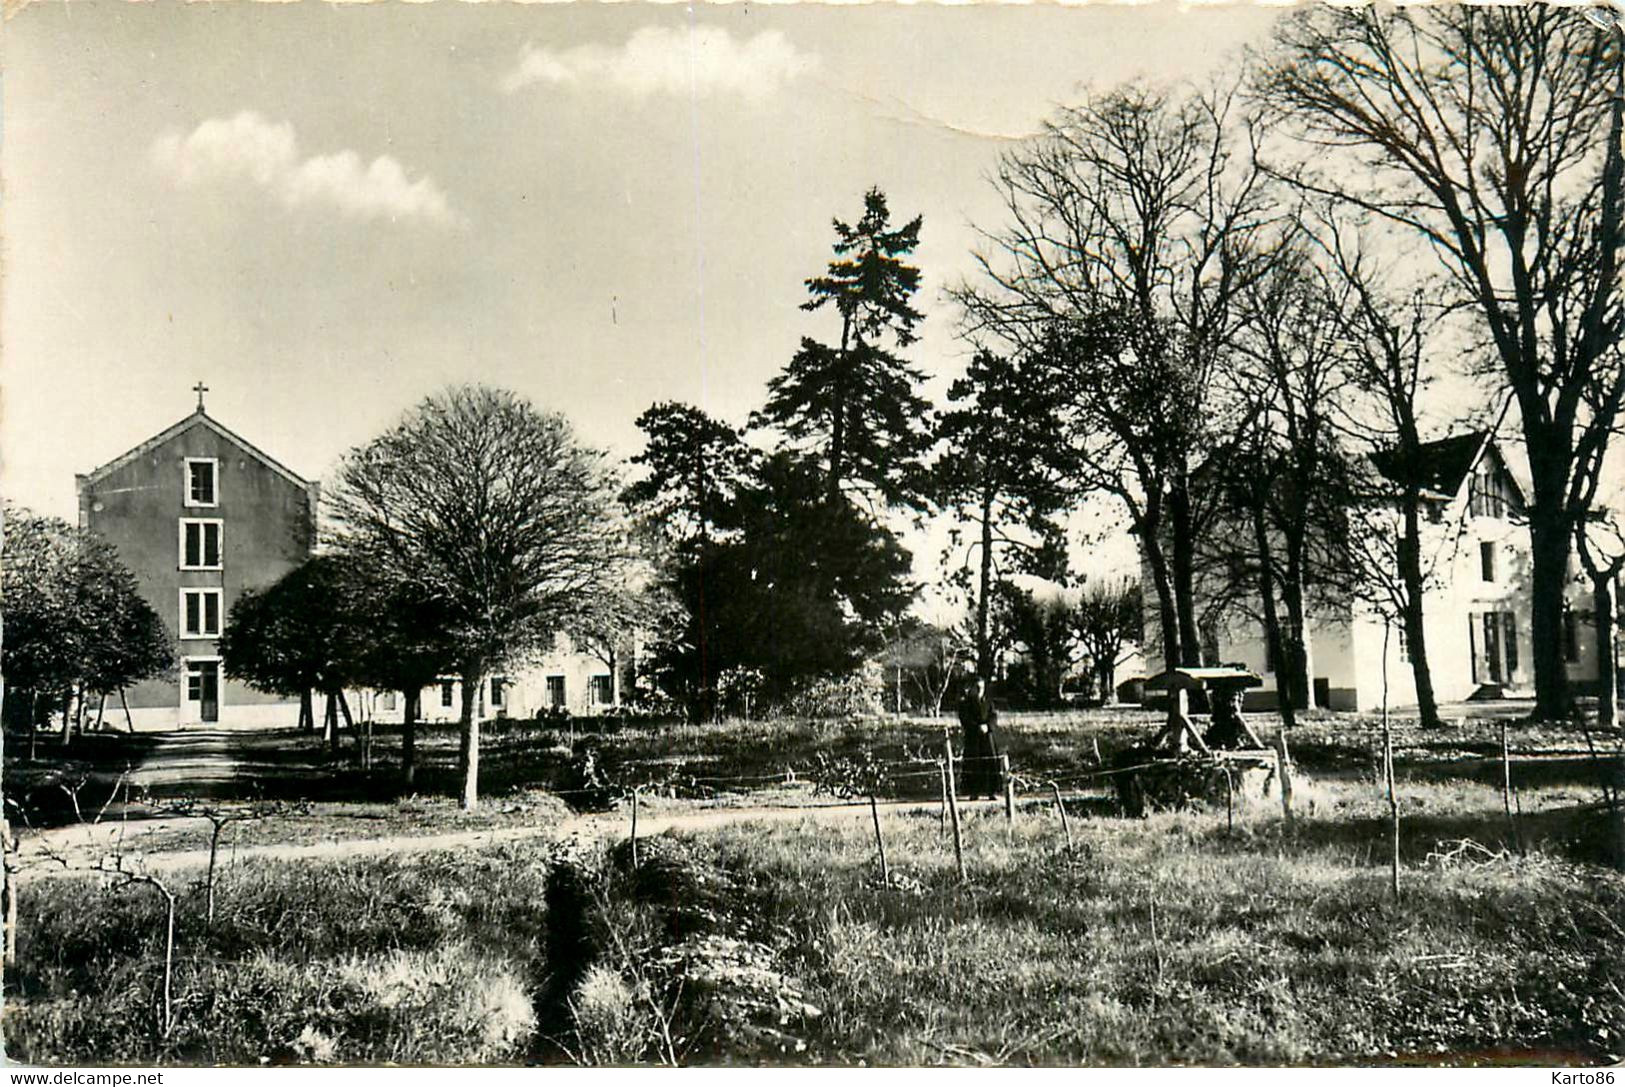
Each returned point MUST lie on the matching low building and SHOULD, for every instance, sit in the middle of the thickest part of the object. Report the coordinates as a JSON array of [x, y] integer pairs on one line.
[[567, 679]]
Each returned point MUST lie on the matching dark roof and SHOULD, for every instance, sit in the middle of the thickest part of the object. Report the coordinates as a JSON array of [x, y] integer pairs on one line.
[[1443, 465]]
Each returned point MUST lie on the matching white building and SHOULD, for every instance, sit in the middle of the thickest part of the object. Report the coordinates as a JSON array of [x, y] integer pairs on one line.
[[1476, 608], [568, 678]]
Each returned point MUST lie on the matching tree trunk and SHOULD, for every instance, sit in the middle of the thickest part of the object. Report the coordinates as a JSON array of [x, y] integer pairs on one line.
[[129, 722], [307, 712], [67, 716], [1549, 561], [1412, 613], [409, 736], [1285, 699], [1167, 615], [1183, 575], [984, 651], [349, 722], [468, 752], [330, 722], [101, 711], [1602, 594], [1299, 650]]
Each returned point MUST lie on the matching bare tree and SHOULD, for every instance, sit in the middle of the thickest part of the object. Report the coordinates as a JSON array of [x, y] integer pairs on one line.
[[1291, 472], [1107, 617], [1490, 134], [493, 511], [1386, 343], [1132, 224]]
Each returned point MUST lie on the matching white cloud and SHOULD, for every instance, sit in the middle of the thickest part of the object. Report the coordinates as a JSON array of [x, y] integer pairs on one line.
[[670, 60], [249, 148]]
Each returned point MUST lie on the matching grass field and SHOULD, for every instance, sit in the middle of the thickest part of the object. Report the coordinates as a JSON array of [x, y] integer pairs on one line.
[[1174, 939]]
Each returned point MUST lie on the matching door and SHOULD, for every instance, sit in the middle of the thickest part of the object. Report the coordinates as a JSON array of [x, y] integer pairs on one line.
[[203, 690], [1492, 646], [210, 710]]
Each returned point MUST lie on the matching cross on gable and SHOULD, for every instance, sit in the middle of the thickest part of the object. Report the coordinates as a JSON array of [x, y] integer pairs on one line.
[[200, 389]]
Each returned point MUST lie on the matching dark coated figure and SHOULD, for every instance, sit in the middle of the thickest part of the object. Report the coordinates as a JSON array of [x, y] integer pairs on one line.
[[980, 720]]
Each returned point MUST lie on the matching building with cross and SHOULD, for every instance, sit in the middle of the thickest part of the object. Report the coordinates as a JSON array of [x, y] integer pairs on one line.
[[199, 514]]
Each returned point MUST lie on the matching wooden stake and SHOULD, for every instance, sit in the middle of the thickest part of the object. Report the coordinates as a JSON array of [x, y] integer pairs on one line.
[[880, 842], [1009, 789], [1283, 759], [1066, 827], [1506, 790], [1393, 808], [10, 906], [1229, 801], [953, 804], [942, 813], [634, 830]]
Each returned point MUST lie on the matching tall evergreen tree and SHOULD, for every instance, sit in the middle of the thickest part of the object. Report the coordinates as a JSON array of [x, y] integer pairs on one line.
[[855, 402], [1003, 468]]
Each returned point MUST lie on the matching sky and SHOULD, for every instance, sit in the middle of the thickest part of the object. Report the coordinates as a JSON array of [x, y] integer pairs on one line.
[[326, 212]]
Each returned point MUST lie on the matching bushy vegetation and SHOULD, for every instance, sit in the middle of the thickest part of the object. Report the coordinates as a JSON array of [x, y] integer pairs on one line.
[[1151, 943], [409, 959]]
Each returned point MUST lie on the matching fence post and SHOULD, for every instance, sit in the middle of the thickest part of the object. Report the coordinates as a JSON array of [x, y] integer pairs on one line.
[[1393, 808], [1229, 800], [953, 803], [1283, 758], [1506, 790], [1009, 790], [880, 843], [942, 779], [634, 830], [1066, 827]]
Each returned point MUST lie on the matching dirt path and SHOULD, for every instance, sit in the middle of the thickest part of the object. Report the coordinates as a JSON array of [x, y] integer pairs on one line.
[[72, 851]]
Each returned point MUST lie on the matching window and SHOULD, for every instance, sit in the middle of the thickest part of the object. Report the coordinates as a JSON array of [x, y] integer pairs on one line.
[[200, 613], [445, 693], [1486, 560], [497, 684], [389, 701], [1509, 628], [555, 691], [201, 489], [1404, 644], [603, 691], [1269, 652], [1571, 636], [194, 683], [200, 545]]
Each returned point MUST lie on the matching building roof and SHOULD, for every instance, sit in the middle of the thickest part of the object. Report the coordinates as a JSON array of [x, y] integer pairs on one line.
[[197, 418], [1444, 465]]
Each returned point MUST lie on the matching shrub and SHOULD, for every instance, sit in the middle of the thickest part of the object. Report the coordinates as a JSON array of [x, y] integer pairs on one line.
[[857, 694]]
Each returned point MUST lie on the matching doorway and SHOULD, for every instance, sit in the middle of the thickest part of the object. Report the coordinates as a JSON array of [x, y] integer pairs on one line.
[[203, 689]]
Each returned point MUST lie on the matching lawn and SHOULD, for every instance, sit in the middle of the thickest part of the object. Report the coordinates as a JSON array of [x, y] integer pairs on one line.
[[1173, 939]]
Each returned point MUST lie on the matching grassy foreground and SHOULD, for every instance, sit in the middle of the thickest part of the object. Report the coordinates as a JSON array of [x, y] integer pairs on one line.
[[1168, 940]]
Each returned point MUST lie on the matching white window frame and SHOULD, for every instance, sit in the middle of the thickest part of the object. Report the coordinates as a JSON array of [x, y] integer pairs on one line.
[[203, 611], [187, 673], [220, 525], [186, 482], [608, 689]]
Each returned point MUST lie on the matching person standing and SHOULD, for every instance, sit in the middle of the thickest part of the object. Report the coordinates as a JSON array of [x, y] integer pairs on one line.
[[979, 719]]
